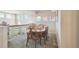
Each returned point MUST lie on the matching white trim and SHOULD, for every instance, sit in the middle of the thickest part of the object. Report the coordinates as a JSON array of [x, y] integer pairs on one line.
[[59, 28]]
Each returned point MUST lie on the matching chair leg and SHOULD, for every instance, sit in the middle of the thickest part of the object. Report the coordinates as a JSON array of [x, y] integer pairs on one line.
[[40, 41], [44, 41], [46, 37], [27, 42], [35, 44]]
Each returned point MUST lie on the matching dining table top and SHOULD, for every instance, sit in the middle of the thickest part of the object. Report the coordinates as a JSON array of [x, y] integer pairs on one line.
[[38, 28]]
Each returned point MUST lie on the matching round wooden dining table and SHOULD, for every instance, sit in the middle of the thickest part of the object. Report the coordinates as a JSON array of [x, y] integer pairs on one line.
[[37, 33]]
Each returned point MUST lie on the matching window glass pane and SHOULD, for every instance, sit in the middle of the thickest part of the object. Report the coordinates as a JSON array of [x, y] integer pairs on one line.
[[9, 16], [53, 18], [25, 17], [38, 18], [1, 15], [45, 18], [10, 19], [19, 18]]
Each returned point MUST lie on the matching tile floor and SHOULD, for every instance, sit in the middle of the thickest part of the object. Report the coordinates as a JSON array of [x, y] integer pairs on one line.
[[20, 42]]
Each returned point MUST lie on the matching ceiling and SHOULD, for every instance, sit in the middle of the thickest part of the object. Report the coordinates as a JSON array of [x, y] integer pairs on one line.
[[31, 12]]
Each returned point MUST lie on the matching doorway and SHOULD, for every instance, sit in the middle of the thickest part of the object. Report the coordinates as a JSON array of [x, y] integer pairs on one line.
[[18, 33]]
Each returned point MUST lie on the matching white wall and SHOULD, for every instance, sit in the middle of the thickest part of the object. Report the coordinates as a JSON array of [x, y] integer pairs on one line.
[[3, 37]]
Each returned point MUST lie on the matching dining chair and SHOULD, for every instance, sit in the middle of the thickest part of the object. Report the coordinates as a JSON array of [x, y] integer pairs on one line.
[[33, 36]]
